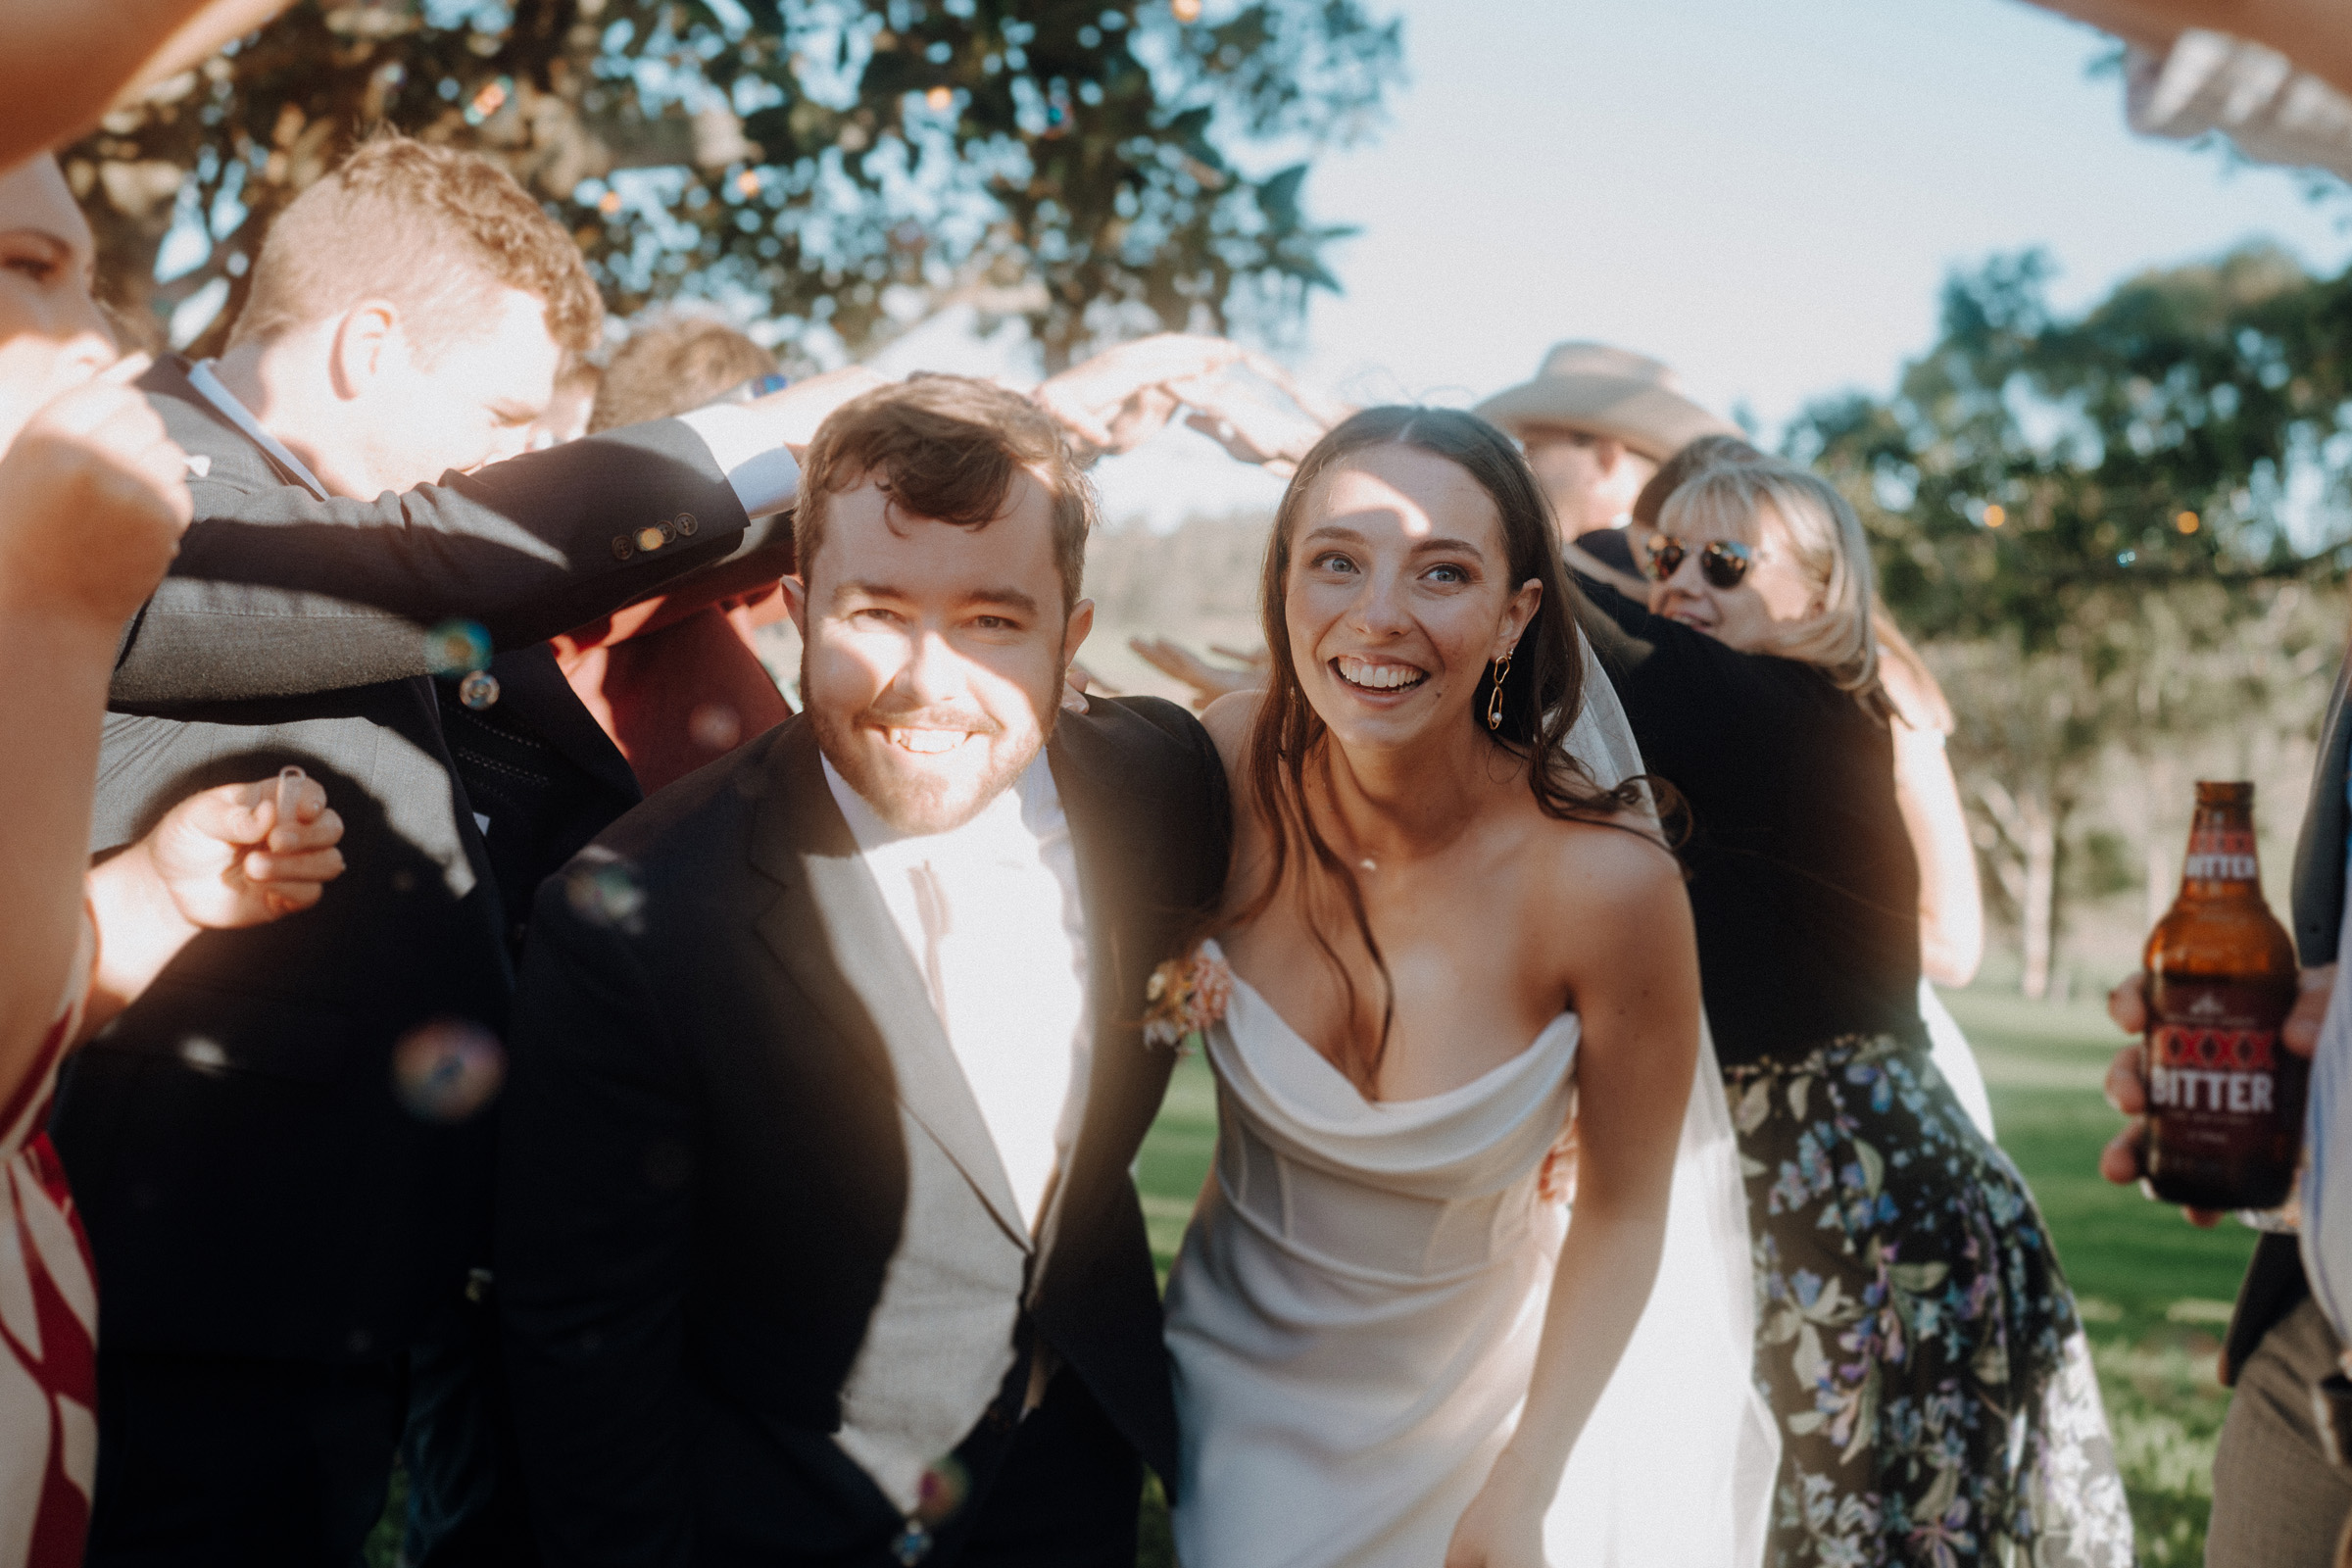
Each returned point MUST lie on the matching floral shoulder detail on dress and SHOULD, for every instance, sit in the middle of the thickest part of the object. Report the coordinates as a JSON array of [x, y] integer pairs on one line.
[[1187, 996]]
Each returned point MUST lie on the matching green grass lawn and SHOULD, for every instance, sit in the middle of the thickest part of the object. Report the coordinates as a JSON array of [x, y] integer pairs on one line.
[[2156, 1292]]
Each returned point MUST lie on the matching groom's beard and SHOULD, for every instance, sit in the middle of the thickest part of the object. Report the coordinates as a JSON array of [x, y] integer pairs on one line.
[[922, 793]]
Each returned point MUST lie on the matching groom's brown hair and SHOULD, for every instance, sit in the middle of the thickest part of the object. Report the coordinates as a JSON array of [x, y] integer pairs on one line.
[[947, 448]]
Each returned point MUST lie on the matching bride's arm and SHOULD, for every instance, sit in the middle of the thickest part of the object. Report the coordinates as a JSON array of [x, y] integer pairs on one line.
[[1633, 973]]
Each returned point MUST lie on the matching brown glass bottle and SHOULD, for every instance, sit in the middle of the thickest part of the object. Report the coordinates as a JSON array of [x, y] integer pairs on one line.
[[2225, 1097]]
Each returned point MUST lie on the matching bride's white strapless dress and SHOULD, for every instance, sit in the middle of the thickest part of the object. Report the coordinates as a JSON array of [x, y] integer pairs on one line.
[[1354, 1314]]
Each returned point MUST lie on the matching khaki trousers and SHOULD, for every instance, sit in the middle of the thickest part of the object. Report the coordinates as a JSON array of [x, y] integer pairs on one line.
[[2277, 1501]]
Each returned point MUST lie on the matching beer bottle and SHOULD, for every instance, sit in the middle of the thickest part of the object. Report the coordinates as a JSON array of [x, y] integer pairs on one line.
[[2225, 1097]]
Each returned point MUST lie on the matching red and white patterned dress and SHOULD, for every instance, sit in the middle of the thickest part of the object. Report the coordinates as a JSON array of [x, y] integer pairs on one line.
[[48, 1321]]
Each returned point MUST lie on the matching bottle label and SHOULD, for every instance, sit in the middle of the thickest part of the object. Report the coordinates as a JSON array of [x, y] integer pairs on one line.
[[2220, 854], [2214, 1052]]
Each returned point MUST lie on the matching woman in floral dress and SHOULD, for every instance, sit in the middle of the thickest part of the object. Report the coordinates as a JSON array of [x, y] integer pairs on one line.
[[1916, 1336]]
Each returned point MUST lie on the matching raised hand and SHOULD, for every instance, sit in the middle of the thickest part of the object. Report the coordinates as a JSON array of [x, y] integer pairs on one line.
[[1209, 681], [1253, 427], [790, 417], [1119, 399], [93, 499], [1263, 416], [2127, 1087]]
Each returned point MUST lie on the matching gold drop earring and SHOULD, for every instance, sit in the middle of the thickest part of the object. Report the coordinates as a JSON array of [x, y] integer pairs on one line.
[[1503, 669]]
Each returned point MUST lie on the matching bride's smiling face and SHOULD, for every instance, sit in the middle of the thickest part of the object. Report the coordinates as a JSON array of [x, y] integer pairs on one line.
[[1398, 596]]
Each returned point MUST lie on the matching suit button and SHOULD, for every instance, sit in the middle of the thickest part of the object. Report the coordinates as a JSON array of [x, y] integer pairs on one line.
[[622, 550], [652, 538], [687, 525]]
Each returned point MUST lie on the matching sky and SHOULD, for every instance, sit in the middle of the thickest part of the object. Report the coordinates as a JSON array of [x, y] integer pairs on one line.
[[1766, 194]]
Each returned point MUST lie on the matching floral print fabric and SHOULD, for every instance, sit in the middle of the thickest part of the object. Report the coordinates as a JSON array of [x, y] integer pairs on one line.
[[1915, 1335]]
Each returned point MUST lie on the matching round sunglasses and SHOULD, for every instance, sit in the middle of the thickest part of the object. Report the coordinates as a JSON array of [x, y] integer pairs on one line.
[[1724, 562]]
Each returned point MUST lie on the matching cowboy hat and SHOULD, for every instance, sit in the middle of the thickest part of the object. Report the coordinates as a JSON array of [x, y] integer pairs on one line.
[[1594, 388]]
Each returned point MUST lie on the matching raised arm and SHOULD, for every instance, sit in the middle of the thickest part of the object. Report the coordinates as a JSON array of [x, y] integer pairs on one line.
[[595, 1211], [1951, 903], [62, 67], [277, 592], [1631, 966], [2316, 35], [90, 504]]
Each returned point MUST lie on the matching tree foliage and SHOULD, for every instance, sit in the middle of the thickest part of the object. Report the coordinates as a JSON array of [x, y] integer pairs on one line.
[[2097, 521], [2190, 427], [1093, 167]]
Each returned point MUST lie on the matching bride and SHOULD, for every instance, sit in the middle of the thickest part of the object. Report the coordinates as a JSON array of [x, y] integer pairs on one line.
[[1456, 943]]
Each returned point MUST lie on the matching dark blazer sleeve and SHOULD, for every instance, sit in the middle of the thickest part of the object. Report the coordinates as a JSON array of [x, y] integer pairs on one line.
[[1208, 798], [277, 592], [2319, 882], [595, 1214]]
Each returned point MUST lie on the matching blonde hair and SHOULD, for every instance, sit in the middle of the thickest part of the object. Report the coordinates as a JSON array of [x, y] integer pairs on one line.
[[432, 230], [1829, 547], [1911, 686]]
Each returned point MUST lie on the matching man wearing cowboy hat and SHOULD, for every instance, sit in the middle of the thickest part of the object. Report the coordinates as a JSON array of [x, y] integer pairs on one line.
[[1595, 423]]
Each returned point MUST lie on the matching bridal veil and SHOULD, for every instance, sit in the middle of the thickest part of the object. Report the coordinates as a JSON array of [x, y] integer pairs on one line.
[[1679, 1457]]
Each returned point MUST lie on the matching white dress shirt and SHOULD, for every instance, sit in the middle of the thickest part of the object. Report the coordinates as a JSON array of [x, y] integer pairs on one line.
[[764, 476], [990, 912]]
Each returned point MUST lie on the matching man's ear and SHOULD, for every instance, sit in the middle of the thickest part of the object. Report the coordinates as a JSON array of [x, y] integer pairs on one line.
[[364, 343], [796, 604], [1073, 632]]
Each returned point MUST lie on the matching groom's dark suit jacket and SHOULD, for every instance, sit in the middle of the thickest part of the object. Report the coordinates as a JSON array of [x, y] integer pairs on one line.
[[250, 1182], [723, 1108]]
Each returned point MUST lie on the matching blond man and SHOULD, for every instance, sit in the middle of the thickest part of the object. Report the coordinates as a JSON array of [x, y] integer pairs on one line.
[[284, 1199]]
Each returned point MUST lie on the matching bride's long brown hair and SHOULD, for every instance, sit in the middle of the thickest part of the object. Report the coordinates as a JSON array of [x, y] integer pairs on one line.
[[1542, 690]]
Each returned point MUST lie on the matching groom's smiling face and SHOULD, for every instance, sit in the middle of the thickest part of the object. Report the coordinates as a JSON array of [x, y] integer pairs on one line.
[[933, 654]]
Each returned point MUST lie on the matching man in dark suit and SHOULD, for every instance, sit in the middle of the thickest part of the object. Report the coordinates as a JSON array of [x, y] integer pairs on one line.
[[276, 1228], [817, 1242], [2279, 1499]]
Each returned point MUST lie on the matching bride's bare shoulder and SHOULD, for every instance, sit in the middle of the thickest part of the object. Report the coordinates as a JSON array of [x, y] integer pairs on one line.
[[1228, 721], [1606, 870]]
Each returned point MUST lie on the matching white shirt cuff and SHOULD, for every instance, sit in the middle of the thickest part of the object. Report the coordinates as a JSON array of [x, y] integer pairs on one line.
[[764, 476]]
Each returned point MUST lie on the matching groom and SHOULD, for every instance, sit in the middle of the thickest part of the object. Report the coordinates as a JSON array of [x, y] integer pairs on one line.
[[817, 1242]]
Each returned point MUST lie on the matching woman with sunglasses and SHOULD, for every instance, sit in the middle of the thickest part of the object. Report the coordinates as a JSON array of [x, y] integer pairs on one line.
[[1951, 903], [1916, 1336]]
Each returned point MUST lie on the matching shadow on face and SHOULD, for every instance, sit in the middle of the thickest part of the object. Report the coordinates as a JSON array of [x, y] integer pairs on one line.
[[933, 654], [1399, 595], [448, 395]]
